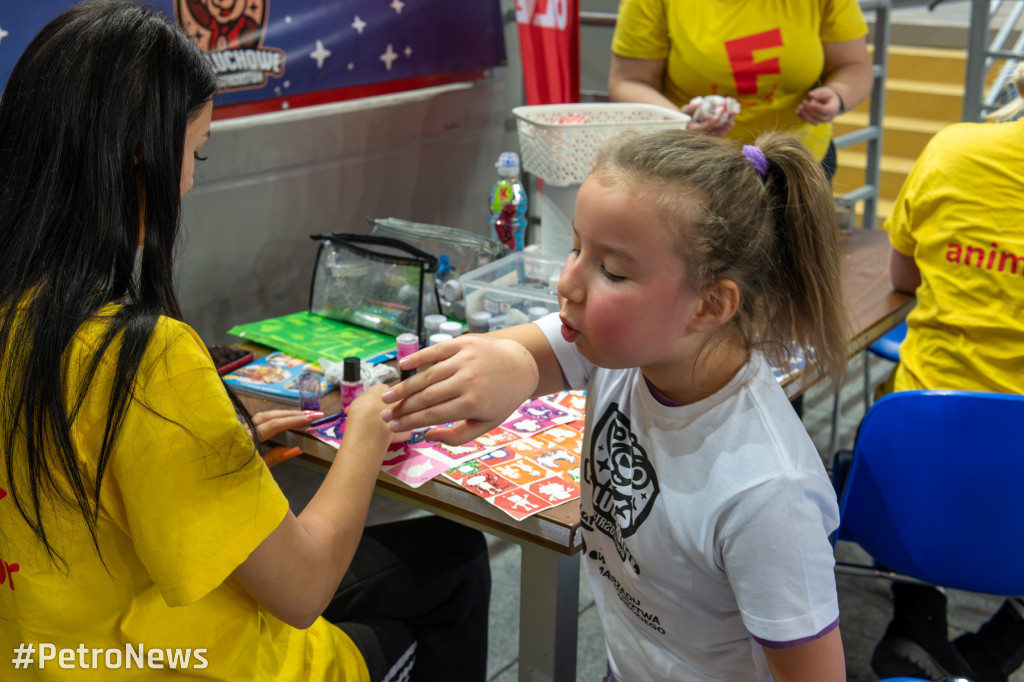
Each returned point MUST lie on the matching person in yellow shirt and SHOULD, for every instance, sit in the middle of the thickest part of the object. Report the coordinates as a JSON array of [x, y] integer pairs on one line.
[[143, 537], [791, 65], [957, 244]]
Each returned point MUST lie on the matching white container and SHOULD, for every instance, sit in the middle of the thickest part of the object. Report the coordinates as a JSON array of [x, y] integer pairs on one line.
[[518, 282], [562, 154]]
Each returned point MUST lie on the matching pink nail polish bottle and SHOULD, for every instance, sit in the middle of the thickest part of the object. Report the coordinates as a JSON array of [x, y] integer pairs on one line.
[[351, 381], [407, 345]]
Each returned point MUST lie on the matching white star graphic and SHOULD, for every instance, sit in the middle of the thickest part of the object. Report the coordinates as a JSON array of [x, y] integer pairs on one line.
[[359, 25], [3, 34], [408, 50], [389, 56], [397, 5], [288, 20], [351, 66], [320, 54]]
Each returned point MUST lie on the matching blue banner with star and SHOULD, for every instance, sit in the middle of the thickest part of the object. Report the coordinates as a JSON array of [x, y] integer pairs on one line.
[[280, 53]]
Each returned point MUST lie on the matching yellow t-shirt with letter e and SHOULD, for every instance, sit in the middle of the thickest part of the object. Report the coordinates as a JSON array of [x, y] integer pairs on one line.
[[958, 216], [766, 54], [184, 500]]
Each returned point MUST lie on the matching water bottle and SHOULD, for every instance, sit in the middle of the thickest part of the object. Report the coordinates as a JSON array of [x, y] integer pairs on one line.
[[508, 203]]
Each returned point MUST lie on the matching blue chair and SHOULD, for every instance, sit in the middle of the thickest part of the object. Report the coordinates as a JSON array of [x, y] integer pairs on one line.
[[888, 348], [932, 490]]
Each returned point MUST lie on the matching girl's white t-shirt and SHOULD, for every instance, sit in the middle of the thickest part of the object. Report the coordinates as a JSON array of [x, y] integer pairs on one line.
[[705, 525]]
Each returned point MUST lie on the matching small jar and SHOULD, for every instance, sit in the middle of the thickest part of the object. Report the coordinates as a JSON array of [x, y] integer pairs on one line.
[[480, 321]]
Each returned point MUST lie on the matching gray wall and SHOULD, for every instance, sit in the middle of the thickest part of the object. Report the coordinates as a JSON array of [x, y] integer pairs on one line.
[[273, 179]]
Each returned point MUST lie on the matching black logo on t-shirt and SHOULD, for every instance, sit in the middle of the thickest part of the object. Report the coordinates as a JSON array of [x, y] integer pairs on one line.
[[623, 483]]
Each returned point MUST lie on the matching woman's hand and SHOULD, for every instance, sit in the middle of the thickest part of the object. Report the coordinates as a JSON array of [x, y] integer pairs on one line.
[[474, 380], [719, 126], [269, 423], [820, 106]]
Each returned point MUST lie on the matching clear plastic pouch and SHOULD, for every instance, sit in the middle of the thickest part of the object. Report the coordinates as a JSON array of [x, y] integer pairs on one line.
[[458, 252], [466, 251], [374, 282]]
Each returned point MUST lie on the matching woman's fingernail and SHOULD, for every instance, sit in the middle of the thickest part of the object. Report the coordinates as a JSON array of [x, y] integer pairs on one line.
[[402, 362], [312, 414], [386, 414], [393, 425], [387, 396], [292, 452]]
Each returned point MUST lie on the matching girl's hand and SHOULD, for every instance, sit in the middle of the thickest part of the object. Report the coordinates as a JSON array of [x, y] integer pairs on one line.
[[820, 106], [718, 126], [269, 423], [474, 380]]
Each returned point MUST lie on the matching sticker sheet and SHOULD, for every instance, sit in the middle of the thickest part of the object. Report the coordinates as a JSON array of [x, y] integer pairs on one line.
[[530, 474], [417, 461]]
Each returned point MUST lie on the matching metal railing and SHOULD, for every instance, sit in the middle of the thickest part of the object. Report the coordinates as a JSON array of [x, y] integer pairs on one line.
[[872, 133], [982, 53]]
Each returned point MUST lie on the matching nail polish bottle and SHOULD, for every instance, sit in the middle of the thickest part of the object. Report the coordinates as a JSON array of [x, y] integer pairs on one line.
[[351, 381], [407, 345]]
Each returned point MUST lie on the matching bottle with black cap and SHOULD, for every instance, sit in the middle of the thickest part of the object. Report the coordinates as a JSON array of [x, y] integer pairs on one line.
[[351, 381]]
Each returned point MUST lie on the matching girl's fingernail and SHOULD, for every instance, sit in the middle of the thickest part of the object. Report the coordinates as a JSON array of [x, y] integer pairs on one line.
[[386, 415], [387, 396], [312, 414], [291, 452], [402, 362], [393, 425]]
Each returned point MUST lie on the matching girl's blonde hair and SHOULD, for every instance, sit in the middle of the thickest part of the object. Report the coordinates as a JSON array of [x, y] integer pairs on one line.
[[1011, 111], [774, 235]]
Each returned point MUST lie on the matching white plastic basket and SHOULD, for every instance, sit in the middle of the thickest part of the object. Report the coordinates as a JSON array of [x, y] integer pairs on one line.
[[562, 154]]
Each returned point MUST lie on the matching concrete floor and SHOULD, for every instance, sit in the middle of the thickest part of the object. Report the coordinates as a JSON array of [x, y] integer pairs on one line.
[[865, 604]]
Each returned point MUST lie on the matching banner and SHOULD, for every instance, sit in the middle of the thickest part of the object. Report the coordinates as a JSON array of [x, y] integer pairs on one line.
[[549, 41], [275, 54]]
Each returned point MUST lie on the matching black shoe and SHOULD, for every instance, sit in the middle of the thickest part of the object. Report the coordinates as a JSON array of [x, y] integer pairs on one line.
[[997, 648], [915, 644]]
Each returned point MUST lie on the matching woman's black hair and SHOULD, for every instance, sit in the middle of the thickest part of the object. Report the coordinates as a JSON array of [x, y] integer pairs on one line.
[[92, 131]]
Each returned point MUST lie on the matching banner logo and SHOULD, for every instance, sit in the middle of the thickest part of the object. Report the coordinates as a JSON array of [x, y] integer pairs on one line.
[[231, 32]]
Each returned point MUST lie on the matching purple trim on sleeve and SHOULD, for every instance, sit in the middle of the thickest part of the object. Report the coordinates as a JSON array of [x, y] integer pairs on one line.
[[796, 642], [609, 677]]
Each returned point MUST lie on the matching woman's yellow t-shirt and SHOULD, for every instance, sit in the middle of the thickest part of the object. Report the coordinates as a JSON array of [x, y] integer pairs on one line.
[[183, 502], [766, 54], [958, 216]]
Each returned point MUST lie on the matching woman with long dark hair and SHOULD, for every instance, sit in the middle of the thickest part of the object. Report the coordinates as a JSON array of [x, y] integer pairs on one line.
[[141, 535]]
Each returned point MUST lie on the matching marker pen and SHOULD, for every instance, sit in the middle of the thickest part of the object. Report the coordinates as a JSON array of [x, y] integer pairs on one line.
[[407, 345], [351, 381]]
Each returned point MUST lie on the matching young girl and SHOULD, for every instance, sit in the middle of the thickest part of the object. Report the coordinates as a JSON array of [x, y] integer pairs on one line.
[[705, 507], [142, 536]]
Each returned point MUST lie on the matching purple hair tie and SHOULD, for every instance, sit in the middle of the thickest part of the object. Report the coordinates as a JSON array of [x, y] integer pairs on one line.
[[756, 158]]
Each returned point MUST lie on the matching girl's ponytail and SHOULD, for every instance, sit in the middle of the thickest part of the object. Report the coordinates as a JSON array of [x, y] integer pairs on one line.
[[805, 259]]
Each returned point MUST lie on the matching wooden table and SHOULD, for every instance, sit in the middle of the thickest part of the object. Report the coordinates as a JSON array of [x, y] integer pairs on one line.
[[550, 540]]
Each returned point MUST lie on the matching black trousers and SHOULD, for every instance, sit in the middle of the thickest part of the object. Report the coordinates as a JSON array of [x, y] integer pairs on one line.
[[418, 593]]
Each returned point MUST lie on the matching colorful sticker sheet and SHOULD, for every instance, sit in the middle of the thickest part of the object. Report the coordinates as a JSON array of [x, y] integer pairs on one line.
[[528, 475], [417, 461]]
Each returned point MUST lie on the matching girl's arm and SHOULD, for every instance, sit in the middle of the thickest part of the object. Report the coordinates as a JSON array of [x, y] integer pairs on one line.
[[846, 79], [818, 661], [296, 570], [475, 380]]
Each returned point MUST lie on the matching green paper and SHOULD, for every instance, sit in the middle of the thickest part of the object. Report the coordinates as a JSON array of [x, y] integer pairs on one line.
[[312, 337]]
